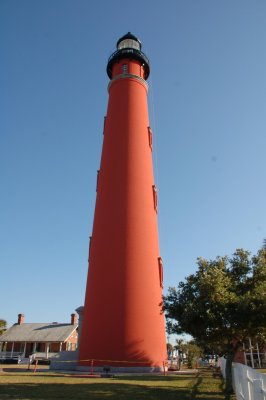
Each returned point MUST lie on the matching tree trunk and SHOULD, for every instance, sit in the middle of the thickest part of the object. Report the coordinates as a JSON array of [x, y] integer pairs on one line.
[[228, 373]]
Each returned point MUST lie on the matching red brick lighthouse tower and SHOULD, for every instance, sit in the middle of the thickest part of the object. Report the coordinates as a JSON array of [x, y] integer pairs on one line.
[[122, 322]]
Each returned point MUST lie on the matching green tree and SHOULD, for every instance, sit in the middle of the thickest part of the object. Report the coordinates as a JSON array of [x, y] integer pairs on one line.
[[192, 351], [170, 349], [2, 326], [168, 328], [222, 304], [179, 344]]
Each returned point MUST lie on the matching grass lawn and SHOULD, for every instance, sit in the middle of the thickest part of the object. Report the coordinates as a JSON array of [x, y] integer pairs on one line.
[[25, 385], [261, 370]]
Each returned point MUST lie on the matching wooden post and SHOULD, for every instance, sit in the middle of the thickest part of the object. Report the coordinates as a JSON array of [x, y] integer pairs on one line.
[[91, 370], [164, 368], [251, 353], [258, 352], [36, 363]]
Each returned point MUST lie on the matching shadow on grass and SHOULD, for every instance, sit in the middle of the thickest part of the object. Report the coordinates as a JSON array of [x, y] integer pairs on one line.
[[127, 387], [227, 396], [93, 391], [210, 386]]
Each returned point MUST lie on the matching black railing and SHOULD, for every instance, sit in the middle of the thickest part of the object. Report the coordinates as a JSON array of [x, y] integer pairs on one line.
[[128, 53]]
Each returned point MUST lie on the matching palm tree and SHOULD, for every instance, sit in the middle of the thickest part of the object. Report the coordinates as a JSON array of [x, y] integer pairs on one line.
[[2, 326]]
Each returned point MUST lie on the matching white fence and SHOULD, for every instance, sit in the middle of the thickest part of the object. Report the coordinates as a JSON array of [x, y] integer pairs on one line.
[[248, 383]]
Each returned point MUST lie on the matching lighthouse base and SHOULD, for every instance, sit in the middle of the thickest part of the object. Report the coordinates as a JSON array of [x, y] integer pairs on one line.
[[65, 360], [68, 360]]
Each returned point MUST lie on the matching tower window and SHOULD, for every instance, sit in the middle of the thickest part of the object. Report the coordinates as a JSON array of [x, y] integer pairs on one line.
[[160, 265], [155, 198], [104, 121], [97, 180], [150, 136], [124, 68], [89, 249]]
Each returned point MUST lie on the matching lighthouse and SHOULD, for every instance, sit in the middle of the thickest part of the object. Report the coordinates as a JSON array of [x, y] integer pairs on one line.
[[123, 324]]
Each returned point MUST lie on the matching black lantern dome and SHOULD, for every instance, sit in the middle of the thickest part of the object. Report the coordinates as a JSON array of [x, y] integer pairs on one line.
[[128, 40], [128, 46]]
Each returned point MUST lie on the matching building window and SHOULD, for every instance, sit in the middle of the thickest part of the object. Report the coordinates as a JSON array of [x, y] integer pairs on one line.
[[38, 347]]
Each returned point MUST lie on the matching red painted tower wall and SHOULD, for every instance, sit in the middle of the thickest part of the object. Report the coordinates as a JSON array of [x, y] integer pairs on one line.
[[122, 318]]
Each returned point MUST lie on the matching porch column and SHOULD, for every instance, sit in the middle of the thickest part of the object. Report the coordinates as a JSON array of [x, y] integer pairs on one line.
[[24, 351], [60, 347], [34, 347], [47, 349], [12, 349]]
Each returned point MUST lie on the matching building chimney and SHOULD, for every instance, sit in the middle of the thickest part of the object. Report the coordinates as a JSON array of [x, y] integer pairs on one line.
[[74, 319], [21, 318], [80, 317]]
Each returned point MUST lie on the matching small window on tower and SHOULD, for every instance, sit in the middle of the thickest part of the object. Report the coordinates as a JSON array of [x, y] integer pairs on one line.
[[104, 122], [160, 265], [97, 180], [124, 68], [150, 136], [155, 199], [89, 249]]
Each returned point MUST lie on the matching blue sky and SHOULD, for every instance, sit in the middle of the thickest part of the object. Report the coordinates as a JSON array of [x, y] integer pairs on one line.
[[207, 102]]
